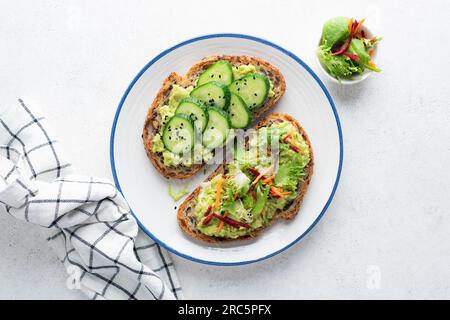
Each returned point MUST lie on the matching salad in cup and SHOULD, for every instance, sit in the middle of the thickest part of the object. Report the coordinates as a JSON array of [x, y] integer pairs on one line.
[[346, 49]]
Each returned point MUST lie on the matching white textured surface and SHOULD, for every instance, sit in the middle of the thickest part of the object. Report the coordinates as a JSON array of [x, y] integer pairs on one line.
[[75, 59]]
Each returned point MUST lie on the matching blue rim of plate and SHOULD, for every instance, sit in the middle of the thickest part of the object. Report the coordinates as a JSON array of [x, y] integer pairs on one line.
[[286, 52]]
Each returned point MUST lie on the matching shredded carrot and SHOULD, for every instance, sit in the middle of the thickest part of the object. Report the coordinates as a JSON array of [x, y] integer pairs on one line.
[[278, 192], [268, 180], [359, 25], [257, 179], [372, 64], [218, 192], [222, 223], [287, 137], [371, 53], [350, 25], [293, 146], [262, 175]]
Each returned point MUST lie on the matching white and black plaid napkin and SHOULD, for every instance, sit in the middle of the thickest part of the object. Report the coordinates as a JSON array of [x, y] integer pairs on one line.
[[91, 227]]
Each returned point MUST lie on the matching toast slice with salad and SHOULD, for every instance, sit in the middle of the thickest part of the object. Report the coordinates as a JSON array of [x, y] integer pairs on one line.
[[266, 181], [193, 115]]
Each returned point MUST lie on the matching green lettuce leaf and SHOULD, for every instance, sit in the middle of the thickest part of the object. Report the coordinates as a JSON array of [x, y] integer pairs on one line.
[[334, 31], [357, 47], [262, 192], [177, 195], [338, 66], [289, 173]]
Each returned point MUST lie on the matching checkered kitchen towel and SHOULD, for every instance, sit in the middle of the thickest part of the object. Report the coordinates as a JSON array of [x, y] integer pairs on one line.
[[91, 227]]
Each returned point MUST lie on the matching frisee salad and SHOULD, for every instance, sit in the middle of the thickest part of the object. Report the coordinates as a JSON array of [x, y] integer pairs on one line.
[[252, 189], [345, 49]]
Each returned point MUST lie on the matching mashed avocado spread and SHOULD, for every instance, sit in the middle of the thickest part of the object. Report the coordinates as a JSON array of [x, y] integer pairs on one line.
[[243, 69], [245, 201], [165, 112]]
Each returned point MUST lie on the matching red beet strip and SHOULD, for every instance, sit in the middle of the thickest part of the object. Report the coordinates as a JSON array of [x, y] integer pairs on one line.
[[208, 211], [349, 40], [351, 56], [253, 171], [208, 219], [231, 222]]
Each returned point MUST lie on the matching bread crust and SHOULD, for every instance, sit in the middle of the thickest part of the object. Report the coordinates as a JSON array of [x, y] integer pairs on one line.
[[151, 125], [289, 213]]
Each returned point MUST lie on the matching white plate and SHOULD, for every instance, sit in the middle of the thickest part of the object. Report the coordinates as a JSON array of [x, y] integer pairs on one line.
[[146, 191]]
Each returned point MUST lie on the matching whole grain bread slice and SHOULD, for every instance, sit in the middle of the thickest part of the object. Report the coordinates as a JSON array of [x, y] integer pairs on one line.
[[186, 212], [152, 124]]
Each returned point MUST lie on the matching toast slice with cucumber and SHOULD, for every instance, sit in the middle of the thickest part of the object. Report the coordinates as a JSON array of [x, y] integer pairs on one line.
[[220, 93], [212, 207]]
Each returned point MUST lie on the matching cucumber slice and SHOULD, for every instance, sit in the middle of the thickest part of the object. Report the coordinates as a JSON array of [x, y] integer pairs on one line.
[[178, 135], [220, 71], [196, 110], [240, 115], [253, 89], [217, 128], [213, 94]]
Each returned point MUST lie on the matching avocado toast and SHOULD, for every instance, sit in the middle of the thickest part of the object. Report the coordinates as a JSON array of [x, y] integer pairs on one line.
[[217, 95], [246, 195]]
